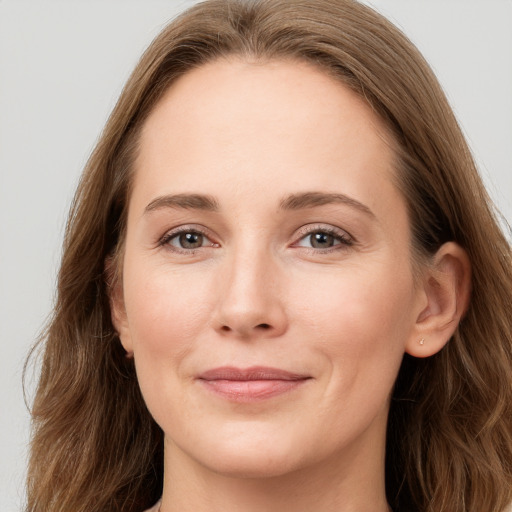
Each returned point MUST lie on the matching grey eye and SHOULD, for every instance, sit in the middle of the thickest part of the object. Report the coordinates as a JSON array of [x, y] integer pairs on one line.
[[191, 240], [188, 240], [321, 240], [325, 239]]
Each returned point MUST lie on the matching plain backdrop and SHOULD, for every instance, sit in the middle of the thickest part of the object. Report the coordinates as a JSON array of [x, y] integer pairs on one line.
[[62, 66]]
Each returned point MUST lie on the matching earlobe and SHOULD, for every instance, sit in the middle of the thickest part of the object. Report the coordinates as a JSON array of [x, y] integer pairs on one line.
[[446, 286]]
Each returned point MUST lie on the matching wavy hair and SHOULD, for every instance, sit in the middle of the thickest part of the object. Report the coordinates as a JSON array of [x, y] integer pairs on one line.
[[95, 446]]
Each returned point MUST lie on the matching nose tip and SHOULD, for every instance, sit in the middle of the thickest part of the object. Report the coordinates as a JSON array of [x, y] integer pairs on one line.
[[249, 304]]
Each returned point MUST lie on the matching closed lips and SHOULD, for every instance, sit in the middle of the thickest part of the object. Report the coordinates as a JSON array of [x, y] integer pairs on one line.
[[253, 373], [251, 384]]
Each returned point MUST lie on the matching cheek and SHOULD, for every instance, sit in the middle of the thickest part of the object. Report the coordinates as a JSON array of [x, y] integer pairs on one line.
[[354, 303], [167, 312], [360, 322], [360, 331], [165, 309]]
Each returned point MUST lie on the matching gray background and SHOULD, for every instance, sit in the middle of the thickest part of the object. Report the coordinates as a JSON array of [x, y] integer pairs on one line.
[[62, 66]]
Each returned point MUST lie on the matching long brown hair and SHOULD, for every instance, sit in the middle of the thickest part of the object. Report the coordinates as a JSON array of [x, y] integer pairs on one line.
[[95, 447]]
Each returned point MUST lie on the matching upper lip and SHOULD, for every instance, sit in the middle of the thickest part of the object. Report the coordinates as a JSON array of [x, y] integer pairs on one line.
[[252, 373]]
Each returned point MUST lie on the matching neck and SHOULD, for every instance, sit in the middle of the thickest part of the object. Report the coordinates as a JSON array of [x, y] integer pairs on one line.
[[350, 482]]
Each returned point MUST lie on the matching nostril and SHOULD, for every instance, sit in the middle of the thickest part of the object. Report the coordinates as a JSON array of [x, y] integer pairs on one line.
[[258, 327]]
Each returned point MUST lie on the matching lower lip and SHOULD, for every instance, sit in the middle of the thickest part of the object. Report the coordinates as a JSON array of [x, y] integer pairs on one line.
[[251, 390]]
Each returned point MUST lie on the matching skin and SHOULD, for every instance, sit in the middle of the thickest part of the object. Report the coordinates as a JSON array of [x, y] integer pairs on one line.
[[256, 292]]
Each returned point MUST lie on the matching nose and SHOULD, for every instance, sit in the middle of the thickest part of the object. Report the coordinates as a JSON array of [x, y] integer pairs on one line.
[[250, 304]]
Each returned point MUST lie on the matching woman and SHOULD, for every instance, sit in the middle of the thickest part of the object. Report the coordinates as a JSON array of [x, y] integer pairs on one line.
[[283, 286]]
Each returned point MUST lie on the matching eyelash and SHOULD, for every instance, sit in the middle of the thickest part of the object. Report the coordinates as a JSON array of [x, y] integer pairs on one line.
[[344, 239], [185, 230]]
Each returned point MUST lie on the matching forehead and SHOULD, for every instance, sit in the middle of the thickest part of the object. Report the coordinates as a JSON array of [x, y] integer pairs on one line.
[[234, 92], [254, 123]]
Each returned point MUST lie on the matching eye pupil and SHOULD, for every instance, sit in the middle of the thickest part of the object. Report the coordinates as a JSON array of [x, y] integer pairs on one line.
[[191, 240], [321, 240]]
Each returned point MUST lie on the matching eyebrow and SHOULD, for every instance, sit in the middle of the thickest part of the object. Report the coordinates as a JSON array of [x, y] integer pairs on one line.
[[185, 201], [312, 199], [292, 202]]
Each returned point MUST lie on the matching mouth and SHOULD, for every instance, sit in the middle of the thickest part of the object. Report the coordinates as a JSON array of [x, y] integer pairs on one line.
[[250, 384]]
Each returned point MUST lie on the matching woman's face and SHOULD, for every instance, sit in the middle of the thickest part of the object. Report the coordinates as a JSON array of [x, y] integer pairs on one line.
[[268, 294]]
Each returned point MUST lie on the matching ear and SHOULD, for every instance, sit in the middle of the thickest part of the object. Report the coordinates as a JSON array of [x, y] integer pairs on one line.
[[446, 287], [117, 307]]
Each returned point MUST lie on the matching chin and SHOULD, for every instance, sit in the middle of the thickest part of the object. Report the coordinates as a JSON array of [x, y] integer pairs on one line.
[[254, 457], [252, 465]]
